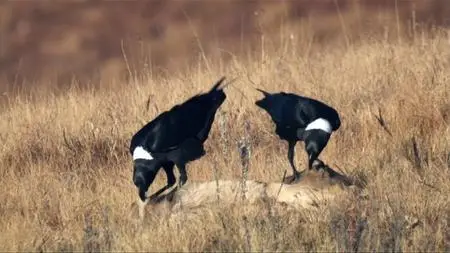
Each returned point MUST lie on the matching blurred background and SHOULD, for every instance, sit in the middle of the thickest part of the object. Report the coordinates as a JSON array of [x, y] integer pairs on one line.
[[98, 42]]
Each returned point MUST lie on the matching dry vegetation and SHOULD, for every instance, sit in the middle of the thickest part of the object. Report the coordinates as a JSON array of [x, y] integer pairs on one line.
[[66, 172]]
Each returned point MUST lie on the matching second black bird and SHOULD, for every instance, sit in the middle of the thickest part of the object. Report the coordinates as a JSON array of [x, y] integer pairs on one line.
[[299, 118]]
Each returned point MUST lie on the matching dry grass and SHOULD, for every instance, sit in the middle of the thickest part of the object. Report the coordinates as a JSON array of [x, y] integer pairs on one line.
[[66, 173]]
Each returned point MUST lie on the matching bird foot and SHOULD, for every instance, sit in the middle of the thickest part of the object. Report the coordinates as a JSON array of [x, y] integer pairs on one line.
[[182, 180], [181, 183], [294, 178]]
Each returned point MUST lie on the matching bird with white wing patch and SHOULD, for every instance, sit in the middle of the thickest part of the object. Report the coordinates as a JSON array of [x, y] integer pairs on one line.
[[299, 118], [174, 138]]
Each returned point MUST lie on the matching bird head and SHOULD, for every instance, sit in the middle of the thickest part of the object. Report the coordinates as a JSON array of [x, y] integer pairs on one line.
[[144, 173]]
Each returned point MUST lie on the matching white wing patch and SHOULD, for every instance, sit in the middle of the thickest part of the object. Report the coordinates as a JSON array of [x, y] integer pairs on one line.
[[140, 153], [321, 124]]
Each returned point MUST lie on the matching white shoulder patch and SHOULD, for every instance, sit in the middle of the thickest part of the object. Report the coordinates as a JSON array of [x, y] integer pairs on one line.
[[140, 153], [321, 124]]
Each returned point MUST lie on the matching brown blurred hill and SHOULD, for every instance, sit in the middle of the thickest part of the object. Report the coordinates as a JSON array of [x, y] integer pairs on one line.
[[57, 41]]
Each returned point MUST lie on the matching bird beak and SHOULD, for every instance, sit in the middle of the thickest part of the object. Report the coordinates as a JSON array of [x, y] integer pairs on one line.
[[142, 194]]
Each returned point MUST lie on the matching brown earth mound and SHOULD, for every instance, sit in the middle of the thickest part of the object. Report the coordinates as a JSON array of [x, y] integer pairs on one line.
[[315, 187]]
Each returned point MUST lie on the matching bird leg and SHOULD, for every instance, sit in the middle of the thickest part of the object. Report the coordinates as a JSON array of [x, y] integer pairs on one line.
[[183, 174], [291, 149], [168, 168]]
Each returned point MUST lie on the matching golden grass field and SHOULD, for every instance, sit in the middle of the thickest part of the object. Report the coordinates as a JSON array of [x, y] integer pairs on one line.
[[66, 171]]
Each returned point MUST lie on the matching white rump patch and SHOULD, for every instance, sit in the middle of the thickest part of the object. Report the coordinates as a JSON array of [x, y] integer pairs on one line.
[[321, 124], [140, 153]]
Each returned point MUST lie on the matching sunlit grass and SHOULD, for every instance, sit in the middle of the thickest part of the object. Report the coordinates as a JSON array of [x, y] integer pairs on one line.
[[66, 172]]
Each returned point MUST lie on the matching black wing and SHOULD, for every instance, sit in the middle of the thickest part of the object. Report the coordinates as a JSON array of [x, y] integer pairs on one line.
[[287, 110], [171, 128], [192, 119], [297, 111]]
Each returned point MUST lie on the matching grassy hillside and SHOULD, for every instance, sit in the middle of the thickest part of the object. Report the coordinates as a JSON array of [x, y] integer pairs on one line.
[[66, 173]]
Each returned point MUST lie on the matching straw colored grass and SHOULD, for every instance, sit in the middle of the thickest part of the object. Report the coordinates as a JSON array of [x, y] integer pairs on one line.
[[66, 172]]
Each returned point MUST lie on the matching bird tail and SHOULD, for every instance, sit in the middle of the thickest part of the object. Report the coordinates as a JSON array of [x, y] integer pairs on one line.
[[263, 92], [218, 83]]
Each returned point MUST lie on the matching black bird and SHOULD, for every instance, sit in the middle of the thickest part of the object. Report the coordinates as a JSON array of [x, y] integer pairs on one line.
[[175, 137], [299, 118]]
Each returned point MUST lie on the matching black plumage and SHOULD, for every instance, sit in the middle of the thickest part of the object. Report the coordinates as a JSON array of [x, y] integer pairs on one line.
[[175, 137], [299, 118]]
